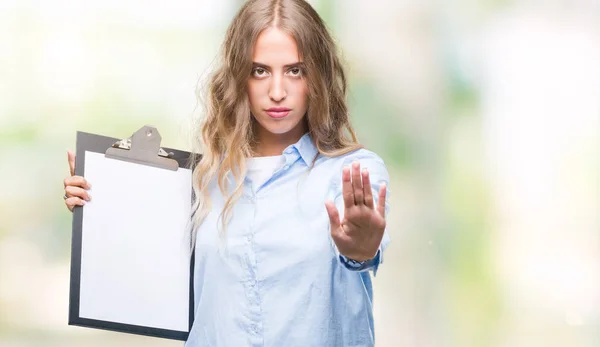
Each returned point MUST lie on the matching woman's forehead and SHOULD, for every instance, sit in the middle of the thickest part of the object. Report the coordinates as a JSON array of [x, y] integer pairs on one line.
[[275, 47]]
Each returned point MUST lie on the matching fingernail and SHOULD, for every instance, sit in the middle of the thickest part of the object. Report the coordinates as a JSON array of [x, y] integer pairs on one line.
[[89, 197]]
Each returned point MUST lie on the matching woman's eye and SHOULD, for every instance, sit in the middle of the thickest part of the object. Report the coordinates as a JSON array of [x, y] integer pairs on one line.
[[259, 72], [295, 71]]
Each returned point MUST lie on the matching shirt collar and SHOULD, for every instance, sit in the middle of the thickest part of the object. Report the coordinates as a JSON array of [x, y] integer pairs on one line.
[[305, 148]]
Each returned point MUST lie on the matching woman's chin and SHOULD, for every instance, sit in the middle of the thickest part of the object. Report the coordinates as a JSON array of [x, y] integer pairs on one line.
[[277, 127]]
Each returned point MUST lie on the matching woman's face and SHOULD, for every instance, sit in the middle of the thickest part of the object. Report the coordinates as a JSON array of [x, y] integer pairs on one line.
[[277, 87]]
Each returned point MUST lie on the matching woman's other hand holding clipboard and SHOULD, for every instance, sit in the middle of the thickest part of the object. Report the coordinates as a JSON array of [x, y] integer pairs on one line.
[[76, 187]]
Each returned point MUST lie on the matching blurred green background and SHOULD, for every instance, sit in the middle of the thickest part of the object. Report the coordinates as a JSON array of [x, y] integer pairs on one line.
[[487, 114]]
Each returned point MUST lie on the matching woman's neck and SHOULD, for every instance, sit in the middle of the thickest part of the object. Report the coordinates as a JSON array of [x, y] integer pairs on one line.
[[270, 144]]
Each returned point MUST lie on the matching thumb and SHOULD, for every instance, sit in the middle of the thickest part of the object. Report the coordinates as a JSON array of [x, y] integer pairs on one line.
[[71, 159], [334, 215]]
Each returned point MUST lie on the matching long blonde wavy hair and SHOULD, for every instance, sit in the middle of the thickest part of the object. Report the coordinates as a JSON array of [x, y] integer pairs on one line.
[[227, 131]]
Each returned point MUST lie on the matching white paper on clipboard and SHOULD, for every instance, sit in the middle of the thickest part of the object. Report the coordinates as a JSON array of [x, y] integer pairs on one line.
[[135, 250]]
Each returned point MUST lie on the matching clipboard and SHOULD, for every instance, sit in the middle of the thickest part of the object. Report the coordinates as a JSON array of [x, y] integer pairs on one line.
[[132, 270]]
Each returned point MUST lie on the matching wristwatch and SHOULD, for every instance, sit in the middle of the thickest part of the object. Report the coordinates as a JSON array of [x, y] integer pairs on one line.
[[352, 263]]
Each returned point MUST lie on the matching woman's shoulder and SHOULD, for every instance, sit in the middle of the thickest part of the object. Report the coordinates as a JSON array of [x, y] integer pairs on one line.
[[361, 154], [367, 159]]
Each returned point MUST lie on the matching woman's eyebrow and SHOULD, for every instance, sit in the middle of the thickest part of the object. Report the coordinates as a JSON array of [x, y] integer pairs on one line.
[[265, 66], [296, 64]]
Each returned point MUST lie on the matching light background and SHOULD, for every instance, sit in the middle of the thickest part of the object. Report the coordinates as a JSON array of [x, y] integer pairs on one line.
[[487, 114]]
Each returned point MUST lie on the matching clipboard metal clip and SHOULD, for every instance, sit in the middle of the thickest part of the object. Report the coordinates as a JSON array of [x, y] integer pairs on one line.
[[143, 147], [126, 144]]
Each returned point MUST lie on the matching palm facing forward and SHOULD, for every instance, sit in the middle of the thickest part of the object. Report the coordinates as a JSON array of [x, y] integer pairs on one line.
[[358, 235]]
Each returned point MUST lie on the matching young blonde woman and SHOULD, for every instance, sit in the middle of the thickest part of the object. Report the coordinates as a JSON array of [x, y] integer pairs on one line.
[[285, 185]]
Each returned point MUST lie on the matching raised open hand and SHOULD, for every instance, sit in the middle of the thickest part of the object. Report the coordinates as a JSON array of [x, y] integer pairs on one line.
[[359, 234]]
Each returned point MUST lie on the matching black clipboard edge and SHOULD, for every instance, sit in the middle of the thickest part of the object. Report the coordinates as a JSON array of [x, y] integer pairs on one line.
[[98, 144], [131, 329]]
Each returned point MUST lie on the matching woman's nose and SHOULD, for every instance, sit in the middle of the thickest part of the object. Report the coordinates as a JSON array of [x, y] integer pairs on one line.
[[277, 90]]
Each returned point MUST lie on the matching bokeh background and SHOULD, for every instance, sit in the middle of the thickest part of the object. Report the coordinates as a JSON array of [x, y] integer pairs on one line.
[[487, 114]]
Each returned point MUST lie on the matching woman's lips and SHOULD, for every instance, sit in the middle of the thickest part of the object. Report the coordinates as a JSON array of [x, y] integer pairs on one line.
[[278, 112]]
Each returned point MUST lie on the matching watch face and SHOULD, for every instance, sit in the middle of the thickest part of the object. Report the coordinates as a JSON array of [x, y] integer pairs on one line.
[[352, 262]]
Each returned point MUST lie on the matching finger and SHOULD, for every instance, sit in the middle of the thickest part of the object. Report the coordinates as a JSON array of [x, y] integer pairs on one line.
[[72, 191], [367, 191], [347, 192], [357, 184], [381, 202], [72, 202], [334, 215], [71, 159], [77, 181]]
